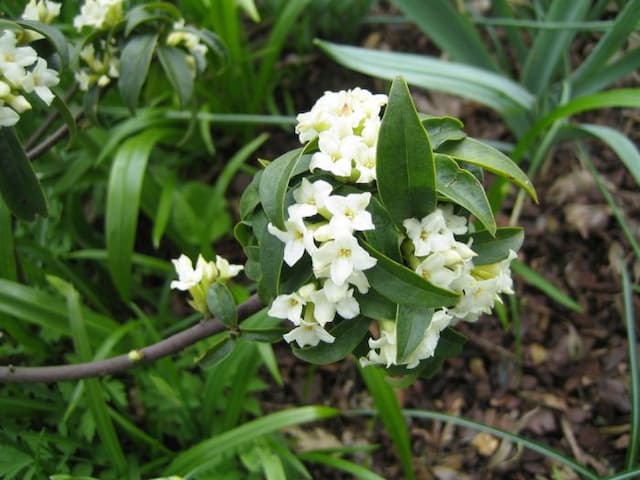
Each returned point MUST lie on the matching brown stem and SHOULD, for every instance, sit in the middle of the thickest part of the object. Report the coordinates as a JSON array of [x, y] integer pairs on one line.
[[31, 142], [172, 344]]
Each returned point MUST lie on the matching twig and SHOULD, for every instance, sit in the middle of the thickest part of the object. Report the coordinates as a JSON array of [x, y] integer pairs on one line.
[[31, 142], [44, 146], [172, 344]]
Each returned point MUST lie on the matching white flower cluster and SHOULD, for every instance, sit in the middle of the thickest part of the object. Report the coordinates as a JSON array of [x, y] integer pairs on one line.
[[21, 71], [100, 68], [42, 11], [447, 263], [197, 50], [323, 225], [346, 124], [99, 14], [198, 280]]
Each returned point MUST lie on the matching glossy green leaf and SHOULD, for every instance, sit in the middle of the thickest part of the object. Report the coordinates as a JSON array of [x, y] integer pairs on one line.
[[462, 187], [411, 323], [19, 185], [52, 34], [221, 347], [384, 237], [221, 304], [451, 30], [271, 263], [374, 305], [443, 129], [135, 60], [538, 281], [401, 285], [348, 334], [207, 453], [123, 201], [405, 167], [273, 186], [389, 411], [492, 249], [250, 197], [149, 12], [478, 153], [175, 65], [94, 390]]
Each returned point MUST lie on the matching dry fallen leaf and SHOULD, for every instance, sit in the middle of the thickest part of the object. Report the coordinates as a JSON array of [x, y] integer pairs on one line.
[[587, 218], [485, 444]]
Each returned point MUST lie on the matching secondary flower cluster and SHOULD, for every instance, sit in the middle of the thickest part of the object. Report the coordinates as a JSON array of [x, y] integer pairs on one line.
[[324, 226], [21, 71], [99, 14], [434, 253], [197, 51], [198, 280], [346, 124], [42, 11]]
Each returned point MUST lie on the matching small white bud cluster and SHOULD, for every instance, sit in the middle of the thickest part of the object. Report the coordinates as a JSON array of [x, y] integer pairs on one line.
[[346, 124], [43, 11], [21, 71], [99, 67], [198, 280], [323, 226], [99, 14], [191, 42]]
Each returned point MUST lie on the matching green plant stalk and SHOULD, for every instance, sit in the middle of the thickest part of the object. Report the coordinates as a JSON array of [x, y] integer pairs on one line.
[[629, 317]]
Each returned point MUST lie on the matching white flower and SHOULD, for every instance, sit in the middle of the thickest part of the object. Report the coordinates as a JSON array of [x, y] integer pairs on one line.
[[429, 234], [335, 155], [99, 14], [188, 277], [331, 299], [427, 346], [383, 350], [311, 197], [8, 117], [102, 66], [297, 238], [455, 223], [343, 256], [309, 333], [18, 103], [41, 78], [288, 306], [225, 269], [350, 211], [43, 11], [434, 270]]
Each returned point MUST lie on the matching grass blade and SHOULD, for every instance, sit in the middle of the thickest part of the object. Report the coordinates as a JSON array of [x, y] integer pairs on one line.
[[611, 43], [623, 97], [626, 228], [391, 415], [619, 143], [548, 452], [628, 63], [452, 31], [123, 201], [630, 321], [236, 162], [538, 281], [7, 251], [550, 46], [95, 395], [207, 453], [358, 471], [483, 86]]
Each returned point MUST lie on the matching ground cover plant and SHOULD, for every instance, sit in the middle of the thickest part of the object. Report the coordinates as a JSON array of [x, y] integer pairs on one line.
[[181, 295]]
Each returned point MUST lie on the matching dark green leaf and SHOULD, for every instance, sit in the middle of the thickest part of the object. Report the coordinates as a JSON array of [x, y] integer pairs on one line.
[[273, 186], [19, 185], [405, 167], [401, 285], [411, 323], [478, 153], [7, 253], [165, 205], [266, 335], [374, 305], [222, 346], [384, 237], [68, 117], [492, 249], [52, 34], [271, 261], [462, 187], [221, 304], [250, 197], [148, 12], [348, 334], [443, 129], [178, 71], [134, 67]]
